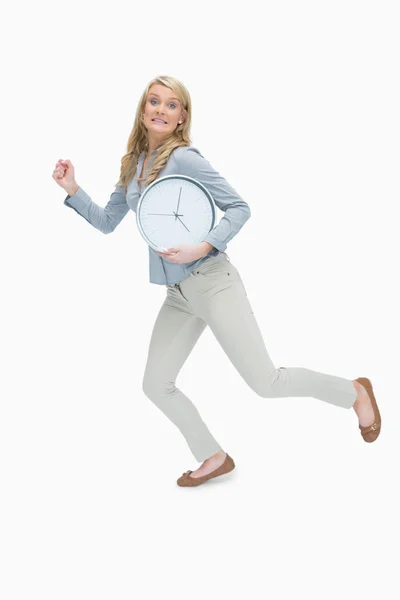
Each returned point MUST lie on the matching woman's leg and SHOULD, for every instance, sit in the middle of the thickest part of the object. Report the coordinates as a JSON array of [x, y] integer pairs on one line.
[[218, 296], [175, 333]]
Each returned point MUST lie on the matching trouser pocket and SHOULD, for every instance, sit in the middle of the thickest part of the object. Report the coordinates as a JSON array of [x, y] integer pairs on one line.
[[214, 267]]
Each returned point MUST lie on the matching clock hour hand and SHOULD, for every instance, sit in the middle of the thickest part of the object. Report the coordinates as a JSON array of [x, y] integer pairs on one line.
[[165, 214]]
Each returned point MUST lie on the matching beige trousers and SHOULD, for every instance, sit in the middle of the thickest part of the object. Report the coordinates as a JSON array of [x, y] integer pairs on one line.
[[213, 294]]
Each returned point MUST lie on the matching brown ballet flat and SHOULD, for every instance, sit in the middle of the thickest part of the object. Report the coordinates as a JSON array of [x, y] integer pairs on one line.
[[186, 481], [371, 432]]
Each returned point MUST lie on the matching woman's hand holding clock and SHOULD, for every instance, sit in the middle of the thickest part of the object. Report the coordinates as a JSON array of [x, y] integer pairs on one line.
[[186, 252]]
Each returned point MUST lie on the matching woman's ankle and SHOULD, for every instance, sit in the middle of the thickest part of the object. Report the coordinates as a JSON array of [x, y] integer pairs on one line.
[[218, 454], [359, 388]]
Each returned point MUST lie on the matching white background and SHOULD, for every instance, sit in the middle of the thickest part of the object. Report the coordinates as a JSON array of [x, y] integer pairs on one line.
[[297, 107]]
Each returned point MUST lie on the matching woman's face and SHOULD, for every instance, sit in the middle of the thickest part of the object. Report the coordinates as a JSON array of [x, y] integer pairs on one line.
[[162, 104]]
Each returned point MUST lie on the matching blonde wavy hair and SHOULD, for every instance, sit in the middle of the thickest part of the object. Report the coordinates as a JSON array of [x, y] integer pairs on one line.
[[138, 142]]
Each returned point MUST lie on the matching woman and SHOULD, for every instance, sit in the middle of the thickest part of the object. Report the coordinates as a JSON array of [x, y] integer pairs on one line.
[[202, 286]]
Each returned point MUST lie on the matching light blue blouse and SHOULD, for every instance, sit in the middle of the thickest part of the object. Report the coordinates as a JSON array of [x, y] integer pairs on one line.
[[184, 160]]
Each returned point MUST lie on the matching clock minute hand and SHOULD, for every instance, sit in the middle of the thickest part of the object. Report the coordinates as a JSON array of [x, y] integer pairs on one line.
[[176, 215], [179, 199], [164, 214]]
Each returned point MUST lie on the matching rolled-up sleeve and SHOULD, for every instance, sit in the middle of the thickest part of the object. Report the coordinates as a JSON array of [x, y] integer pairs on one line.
[[193, 164], [105, 219]]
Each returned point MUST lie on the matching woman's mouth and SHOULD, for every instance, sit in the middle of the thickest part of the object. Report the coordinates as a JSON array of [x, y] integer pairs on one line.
[[159, 121]]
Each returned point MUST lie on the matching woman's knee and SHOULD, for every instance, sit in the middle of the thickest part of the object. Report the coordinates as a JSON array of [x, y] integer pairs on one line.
[[272, 383], [155, 387], [148, 387]]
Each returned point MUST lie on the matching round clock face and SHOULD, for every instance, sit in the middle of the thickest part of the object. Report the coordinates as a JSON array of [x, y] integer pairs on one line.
[[175, 210]]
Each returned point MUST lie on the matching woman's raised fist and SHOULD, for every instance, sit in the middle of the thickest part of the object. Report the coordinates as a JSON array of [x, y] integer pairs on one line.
[[64, 175]]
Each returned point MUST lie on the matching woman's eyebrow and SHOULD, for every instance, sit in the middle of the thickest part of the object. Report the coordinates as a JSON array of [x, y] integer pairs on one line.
[[171, 97]]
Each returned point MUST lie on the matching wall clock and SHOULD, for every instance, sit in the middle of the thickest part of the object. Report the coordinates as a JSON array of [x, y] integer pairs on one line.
[[175, 210]]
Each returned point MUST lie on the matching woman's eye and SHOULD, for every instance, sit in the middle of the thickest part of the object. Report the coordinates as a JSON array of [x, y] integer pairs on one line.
[[154, 100]]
